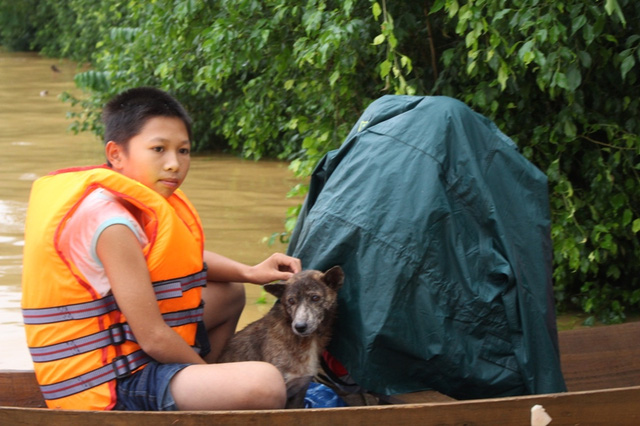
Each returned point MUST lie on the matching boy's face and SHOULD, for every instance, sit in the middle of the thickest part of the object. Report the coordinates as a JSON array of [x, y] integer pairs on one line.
[[158, 157]]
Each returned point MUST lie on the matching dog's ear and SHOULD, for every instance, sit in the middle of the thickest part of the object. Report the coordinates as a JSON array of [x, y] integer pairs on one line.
[[334, 278], [277, 289]]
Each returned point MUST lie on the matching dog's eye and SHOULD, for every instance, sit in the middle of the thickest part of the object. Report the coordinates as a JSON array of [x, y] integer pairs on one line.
[[315, 298], [291, 301]]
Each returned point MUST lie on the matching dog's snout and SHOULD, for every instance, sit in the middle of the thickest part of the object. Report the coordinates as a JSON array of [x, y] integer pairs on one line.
[[301, 327]]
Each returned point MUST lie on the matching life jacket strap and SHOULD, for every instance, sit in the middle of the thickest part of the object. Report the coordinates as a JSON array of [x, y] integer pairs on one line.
[[119, 367], [115, 335], [164, 290], [70, 312]]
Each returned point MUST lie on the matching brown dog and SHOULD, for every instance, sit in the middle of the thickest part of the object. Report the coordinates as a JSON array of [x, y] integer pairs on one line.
[[293, 334]]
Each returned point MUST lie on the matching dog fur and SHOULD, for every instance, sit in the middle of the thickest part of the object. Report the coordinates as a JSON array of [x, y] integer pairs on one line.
[[293, 334]]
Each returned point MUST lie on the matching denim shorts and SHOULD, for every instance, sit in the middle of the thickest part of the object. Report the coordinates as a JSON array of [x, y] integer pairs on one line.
[[148, 389]]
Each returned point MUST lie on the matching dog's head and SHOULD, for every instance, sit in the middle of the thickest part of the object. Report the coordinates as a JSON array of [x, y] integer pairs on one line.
[[308, 297]]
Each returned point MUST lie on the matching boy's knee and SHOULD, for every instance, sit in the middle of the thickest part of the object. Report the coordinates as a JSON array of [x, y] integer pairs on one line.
[[238, 295], [270, 389], [219, 296]]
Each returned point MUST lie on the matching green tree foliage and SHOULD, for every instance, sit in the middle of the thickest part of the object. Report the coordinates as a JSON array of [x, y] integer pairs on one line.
[[265, 78], [69, 28], [561, 78], [287, 79], [17, 31]]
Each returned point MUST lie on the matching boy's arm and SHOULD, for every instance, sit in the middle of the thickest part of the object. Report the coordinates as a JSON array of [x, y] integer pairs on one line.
[[127, 271], [278, 266]]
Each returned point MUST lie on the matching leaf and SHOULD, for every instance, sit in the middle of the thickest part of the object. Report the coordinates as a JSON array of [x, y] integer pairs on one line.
[[393, 42], [585, 58], [635, 227], [471, 66], [437, 6], [613, 6], [162, 70], [542, 34], [501, 14], [617, 201], [385, 67], [632, 40], [290, 223], [448, 56], [560, 79], [379, 39], [577, 23], [626, 66], [588, 33], [574, 78], [377, 11], [525, 54], [405, 62], [609, 6], [334, 77], [453, 8], [470, 38], [348, 6], [529, 57], [570, 129], [503, 75]]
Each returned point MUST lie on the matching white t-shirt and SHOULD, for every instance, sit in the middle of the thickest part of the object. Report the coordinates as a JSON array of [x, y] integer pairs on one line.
[[99, 210]]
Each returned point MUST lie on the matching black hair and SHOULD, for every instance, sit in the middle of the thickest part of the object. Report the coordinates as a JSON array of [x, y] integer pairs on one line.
[[126, 114]]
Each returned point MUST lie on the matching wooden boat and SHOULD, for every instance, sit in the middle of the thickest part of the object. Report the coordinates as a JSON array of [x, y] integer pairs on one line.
[[601, 367]]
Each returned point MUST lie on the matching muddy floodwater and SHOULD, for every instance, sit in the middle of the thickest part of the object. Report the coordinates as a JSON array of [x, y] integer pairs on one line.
[[240, 202]]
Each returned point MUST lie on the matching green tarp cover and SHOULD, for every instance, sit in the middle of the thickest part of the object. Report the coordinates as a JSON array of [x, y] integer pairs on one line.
[[443, 230]]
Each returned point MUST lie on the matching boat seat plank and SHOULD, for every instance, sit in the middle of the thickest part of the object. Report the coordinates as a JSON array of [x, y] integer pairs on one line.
[[601, 357]]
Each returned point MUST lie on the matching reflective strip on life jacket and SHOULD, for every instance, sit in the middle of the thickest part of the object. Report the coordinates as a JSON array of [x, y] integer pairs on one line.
[[121, 366], [71, 312], [174, 288], [114, 335], [163, 289], [176, 319]]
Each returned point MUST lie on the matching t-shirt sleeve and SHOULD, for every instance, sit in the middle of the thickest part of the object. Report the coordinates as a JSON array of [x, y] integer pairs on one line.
[[79, 238]]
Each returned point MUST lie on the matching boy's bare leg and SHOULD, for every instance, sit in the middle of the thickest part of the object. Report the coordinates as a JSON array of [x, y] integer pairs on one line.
[[223, 304], [232, 386]]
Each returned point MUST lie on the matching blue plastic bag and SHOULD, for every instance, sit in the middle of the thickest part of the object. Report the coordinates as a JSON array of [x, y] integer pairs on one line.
[[321, 396]]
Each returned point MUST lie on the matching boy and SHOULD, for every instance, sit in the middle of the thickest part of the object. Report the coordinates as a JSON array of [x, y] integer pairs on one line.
[[115, 274]]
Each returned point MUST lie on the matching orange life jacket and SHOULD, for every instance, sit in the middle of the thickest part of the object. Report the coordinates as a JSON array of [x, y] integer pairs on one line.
[[79, 341]]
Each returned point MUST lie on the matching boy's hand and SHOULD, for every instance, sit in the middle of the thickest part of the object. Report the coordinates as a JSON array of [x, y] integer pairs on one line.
[[278, 266]]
